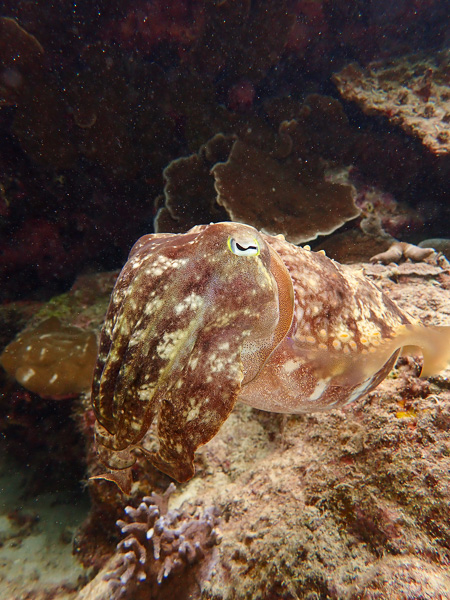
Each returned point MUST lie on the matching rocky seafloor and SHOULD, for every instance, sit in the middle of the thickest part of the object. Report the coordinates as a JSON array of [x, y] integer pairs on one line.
[[348, 504], [323, 120]]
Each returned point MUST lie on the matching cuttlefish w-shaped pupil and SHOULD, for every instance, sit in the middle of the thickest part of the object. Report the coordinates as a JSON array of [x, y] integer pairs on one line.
[[243, 249]]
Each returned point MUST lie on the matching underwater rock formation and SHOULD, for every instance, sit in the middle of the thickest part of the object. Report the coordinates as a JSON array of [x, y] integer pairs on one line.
[[402, 251], [411, 91], [342, 505]]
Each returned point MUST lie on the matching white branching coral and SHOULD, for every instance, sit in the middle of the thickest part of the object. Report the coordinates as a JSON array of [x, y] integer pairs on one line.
[[159, 541]]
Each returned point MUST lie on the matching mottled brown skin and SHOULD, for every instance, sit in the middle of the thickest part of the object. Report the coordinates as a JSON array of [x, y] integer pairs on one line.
[[180, 316], [197, 321]]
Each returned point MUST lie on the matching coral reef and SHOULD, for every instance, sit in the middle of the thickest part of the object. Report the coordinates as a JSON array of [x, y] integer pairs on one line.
[[159, 543], [402, 251], [272, 177], [411, 91], [337, 504], [52, 360], [269, 194], [342, 505], [114, 112], [95, 104]]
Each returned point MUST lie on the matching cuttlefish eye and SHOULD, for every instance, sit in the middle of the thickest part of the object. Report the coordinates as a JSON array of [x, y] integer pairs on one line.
[[246, 249]]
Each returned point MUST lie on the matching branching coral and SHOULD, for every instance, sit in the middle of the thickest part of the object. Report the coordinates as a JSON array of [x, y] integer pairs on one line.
[[159, 542]]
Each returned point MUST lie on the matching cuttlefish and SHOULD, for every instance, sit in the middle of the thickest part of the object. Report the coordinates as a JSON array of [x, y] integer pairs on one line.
[[223, 313]]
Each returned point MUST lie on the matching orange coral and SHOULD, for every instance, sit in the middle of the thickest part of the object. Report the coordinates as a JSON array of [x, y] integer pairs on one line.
[[52, 360]]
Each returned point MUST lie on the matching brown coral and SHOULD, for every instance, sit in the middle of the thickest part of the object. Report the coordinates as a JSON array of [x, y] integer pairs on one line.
[[52, 360], [402, 251], [267, 193], [274, 177], [159, 542], [188, 183], [411, 91]]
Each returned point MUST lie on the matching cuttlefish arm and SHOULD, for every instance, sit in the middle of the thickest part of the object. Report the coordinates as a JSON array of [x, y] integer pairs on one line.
[[189, 321]]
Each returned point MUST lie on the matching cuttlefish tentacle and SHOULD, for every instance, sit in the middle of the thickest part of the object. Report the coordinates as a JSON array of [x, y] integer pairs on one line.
[[224, 313]]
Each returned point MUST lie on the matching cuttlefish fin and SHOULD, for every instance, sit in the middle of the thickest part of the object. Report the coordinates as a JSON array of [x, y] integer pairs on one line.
[[123, 479], [434, 345], [432, 342]]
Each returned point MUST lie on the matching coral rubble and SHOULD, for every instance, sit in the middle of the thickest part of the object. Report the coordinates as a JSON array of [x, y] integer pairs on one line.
[[402, 251]]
